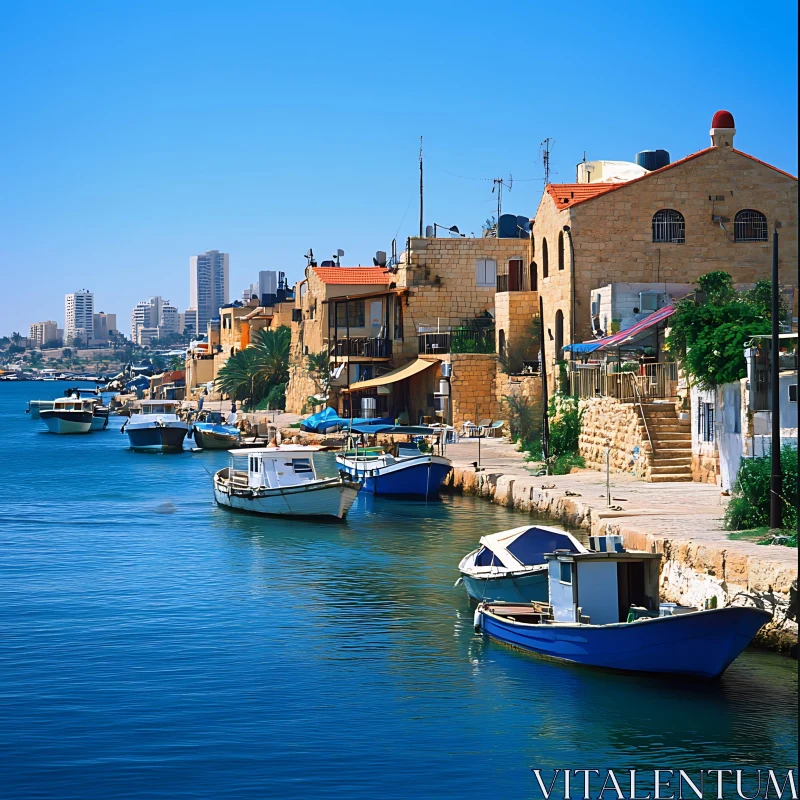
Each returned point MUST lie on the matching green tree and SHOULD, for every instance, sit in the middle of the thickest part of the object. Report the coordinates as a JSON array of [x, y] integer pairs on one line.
[[708, 333], [36, 358], [250, 374], [319, 368]]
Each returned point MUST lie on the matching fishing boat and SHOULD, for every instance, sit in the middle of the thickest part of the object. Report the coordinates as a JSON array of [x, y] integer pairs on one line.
[[604, 611], [511, 566], [156, 426], [211, 433], [282, 481], [68, 415], [36, 406], [409, 473]]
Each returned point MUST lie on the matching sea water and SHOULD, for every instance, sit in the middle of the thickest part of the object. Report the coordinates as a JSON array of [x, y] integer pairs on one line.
[[153, 645]]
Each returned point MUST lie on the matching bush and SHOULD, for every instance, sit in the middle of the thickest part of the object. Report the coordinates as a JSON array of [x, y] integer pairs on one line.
[[565, 424], [276, 398], [563, 464], [525, 422], [749, 504]]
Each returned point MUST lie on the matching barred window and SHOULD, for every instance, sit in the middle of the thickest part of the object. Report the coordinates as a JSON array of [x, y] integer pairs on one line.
[[749, 226], [668, 226]]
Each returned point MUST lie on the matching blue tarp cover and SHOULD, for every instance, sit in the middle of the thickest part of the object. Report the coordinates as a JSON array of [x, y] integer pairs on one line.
[[529, 547]]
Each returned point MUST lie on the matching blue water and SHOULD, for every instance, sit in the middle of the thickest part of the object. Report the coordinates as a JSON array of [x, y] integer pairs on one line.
[[153, 645]]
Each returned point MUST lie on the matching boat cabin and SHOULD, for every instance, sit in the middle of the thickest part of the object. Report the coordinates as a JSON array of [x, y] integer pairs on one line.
[[73, 404], [599, 588], [273, 467], [157, 407]]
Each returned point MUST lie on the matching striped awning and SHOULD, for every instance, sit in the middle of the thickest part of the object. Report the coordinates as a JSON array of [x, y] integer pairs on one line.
[[623, 337]]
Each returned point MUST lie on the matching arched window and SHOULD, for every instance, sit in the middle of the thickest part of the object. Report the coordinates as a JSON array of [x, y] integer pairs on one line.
[[668, 226], [560, 250], [545, 260], [749, 226], [533, 245], [534, 270], [559, 345], [501, 343]]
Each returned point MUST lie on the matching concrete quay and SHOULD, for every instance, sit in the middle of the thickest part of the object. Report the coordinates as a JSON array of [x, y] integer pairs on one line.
[[683, 521]]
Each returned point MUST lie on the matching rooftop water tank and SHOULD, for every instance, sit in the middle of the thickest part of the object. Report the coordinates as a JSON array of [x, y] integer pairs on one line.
[[652, 159]]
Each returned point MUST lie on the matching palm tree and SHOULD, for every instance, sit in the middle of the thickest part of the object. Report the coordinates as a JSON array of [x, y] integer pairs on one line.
[[249, 374]]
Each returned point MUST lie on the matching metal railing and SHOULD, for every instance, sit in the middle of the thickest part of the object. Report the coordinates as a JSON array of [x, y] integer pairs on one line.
[[516, 281], [645, 382], [362, 347], [458, 340]]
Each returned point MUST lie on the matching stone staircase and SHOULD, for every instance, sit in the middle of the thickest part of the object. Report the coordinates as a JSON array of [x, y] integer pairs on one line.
[[671, 459]]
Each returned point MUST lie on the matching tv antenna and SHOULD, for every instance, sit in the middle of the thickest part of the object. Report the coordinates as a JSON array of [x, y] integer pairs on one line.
[[309, 257], [499, 183], [339, 253], [546, 158]]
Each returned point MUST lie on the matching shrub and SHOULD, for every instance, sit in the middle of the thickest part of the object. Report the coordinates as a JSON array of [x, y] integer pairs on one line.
[[749, 504], [525, 422], [563, 464], [276, 399], [565, 424]]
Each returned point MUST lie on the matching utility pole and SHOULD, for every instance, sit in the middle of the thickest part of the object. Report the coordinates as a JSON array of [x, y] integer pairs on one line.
[[420, 187], [498, 185], [775, 476]]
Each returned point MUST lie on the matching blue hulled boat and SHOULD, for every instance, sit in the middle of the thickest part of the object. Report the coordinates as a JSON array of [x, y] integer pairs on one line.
[[604, 612], [510, 566], [211, 433], [409, 474], [156, 427]]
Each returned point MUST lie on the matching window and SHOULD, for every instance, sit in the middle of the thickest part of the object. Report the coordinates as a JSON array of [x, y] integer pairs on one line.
[[559, 334], [565, 575], [749, 226], [792, 392], [398, 318], [486, 272], [302, 465], [705, 422], [545, 260], [668, 227], [350, 314], [560, 250], [534, 270], [650, 301]]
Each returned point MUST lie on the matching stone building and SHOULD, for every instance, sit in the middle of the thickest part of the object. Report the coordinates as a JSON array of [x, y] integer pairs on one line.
[[714, 209]]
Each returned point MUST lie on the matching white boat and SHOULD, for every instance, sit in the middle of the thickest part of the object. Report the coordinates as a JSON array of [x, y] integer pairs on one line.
[[68, 415], [511, 566], [156, 426], [282, 481], [35, 406]]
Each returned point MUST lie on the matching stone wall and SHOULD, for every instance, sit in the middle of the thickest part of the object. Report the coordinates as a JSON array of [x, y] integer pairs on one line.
[[607, 422], [472, 388], [613, 237]]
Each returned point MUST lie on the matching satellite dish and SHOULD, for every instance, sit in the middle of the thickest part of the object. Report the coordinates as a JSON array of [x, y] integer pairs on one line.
[[507, 227], [380, 258], [454, 229]]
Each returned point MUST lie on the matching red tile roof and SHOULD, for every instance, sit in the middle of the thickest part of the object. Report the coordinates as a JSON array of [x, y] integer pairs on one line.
[[349, 276], [566, 195]]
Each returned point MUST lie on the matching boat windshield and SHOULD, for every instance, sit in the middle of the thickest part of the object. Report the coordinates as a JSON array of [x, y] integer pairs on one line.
[[529, 547]]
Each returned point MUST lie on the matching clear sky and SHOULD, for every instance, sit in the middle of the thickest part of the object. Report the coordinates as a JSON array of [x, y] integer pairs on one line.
[[134, 135]]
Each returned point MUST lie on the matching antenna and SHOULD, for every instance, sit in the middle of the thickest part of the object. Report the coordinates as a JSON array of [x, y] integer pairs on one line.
[[337, 255], [546, 159], [309, 256], [499, 183], [420, 187]]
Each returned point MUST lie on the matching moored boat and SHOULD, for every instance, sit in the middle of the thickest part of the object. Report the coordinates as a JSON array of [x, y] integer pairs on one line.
[[211, 433], [68, 415], [511, 566], [604, 611], [410, 473], [156, 426], [282, 481]]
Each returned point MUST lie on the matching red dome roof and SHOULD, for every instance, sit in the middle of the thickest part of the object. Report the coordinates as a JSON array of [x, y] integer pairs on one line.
[[722, 119]]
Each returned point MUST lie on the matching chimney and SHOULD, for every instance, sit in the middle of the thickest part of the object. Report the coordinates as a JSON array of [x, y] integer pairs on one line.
[[722, 129]]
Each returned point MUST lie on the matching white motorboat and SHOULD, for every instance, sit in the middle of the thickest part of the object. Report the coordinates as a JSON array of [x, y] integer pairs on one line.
[[68, 415], [156, 426], [282, 481]]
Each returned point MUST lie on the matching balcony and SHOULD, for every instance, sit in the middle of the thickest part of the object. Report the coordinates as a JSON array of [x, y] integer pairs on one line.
[[362, 347], [516, 278], [461, 339]]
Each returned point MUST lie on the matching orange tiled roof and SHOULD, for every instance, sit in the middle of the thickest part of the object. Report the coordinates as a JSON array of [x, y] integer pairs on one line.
[[353, 275], [566, 195]]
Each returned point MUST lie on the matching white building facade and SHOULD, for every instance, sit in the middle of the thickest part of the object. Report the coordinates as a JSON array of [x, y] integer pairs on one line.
[[208, 285], [157, 317], [43, 332], [79, 317]]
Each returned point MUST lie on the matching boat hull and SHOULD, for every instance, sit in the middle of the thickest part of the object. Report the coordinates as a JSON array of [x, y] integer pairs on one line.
[[525, 588], [412, 477], [160, 438], [99, 419], [330, 499], [702, 644], [67, 422], [35, 407], [210, 440]]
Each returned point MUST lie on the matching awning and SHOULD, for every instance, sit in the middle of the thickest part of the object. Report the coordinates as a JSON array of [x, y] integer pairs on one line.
[[623, 336], [420, 365]]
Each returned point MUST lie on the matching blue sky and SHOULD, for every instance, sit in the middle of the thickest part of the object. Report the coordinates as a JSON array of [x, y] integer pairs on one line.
[[134, 135]]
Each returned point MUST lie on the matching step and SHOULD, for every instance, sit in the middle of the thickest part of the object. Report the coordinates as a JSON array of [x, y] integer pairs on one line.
[[671, 464], [670, 469], [671, 436], [667, 450], [670, 478], [669, 425]]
